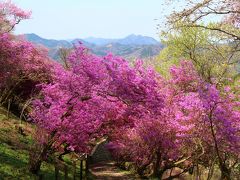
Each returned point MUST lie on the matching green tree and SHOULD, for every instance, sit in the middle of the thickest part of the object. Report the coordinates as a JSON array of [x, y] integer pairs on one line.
[[215, 59]]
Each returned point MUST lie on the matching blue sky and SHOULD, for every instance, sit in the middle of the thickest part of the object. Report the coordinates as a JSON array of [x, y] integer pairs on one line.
[[66, 19]]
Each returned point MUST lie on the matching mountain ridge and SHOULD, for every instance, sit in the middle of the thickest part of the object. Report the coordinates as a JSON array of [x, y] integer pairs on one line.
[[132, 46], [131, 39]]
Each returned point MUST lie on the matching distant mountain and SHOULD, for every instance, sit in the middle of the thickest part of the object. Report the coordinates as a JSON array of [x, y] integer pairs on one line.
[[84, 42], [138, 40], [128, 51], [49, 43], [99, 41], [129, 40], [132, 46]]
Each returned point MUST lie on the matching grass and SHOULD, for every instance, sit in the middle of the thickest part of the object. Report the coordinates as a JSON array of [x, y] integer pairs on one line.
[[14, 150], [13, 163]]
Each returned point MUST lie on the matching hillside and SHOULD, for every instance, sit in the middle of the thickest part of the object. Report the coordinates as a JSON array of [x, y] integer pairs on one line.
[[132, 46], [128, 51], [15, 147], [49, 43]]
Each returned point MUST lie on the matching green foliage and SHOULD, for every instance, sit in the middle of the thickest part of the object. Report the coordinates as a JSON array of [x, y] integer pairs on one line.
[[214, 57], [163, 63]]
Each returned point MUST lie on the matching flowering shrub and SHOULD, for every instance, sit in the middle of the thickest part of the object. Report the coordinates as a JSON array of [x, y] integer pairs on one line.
[[196, 125]]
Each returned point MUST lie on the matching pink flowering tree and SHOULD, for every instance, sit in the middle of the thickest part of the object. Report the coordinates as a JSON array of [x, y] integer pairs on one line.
[[23, 66], [158, 139], [91, 98], [222, 120], [214, 117], [197, 125], [10, 15]]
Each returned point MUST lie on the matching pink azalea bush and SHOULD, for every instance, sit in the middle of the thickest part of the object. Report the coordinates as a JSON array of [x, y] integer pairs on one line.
[[197, 124], [93, 94], [23, 66]]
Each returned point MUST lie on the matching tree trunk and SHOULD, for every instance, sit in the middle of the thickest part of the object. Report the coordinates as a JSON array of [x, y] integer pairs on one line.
[[35, 166], [157, 173], [225, 173], [141, 170], [37, 156], [211, 169]]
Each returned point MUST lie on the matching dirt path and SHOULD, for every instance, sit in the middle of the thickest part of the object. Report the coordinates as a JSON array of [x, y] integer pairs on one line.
[[109, 171]]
